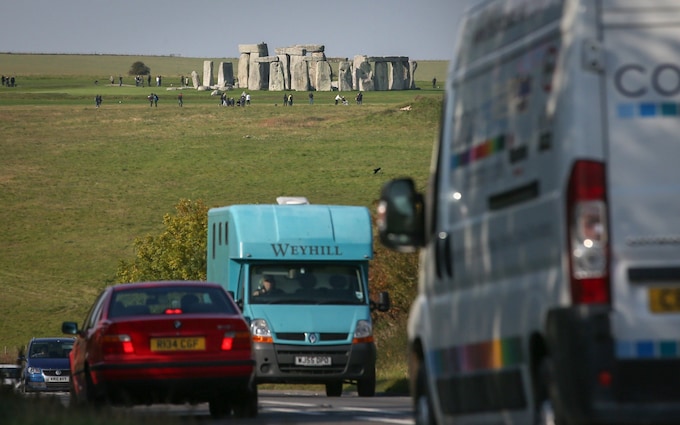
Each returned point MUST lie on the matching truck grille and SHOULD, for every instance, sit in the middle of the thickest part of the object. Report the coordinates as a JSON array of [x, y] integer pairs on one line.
[[324, 336]]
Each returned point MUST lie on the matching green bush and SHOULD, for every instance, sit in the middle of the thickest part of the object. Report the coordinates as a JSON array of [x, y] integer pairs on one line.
[[138, 68], [178, 253]]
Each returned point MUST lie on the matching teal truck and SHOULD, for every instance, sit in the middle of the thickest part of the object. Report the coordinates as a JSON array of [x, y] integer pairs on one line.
[[299, 272]]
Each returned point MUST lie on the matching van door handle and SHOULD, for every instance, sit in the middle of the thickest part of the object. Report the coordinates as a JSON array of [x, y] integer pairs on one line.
[[444, 265]]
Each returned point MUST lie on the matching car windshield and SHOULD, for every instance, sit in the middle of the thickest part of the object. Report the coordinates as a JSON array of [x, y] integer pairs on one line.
[[169, 300], [56, 349], [306, 284]]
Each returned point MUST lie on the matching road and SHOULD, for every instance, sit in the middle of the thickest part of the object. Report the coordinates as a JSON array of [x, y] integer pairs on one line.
[[301, 407]]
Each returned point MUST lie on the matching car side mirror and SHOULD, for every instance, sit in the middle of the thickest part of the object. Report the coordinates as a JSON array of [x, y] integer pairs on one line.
[[69, 328], [400, 216]]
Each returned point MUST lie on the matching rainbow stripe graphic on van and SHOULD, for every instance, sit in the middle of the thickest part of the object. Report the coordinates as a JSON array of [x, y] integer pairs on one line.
[[647, 349], [647, 110], [481, 150], [489, 355]]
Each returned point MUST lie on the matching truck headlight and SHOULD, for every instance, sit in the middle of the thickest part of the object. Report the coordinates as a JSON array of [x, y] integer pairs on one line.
[[259, 329], [363, 332]]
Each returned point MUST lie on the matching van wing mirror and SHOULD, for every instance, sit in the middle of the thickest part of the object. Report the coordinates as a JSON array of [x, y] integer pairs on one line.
[[383, 303], [401, 218]]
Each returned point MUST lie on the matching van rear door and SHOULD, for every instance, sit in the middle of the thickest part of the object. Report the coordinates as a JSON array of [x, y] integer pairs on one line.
[[642, 68]]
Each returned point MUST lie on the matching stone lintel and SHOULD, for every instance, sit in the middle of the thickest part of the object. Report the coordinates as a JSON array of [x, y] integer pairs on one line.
[[253, 48], [266, 59], [292, 51]]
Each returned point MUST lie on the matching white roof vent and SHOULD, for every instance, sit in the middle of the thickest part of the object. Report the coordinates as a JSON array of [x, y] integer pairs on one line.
[[292, 200]]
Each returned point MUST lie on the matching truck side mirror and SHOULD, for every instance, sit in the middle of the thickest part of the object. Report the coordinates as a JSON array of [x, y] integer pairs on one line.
[[383, 303], [400, 217]]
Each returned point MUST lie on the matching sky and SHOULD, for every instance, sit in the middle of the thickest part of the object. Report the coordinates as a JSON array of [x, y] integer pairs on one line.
[[418, 29]]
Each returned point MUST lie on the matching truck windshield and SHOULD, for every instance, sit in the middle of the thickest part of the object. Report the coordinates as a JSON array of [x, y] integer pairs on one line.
[[306, 284]]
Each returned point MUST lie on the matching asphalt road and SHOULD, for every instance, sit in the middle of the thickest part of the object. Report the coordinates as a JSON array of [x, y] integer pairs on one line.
[[299, 407]]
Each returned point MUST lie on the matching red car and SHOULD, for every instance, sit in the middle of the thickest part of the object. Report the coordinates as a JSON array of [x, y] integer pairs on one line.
[[164, 342]]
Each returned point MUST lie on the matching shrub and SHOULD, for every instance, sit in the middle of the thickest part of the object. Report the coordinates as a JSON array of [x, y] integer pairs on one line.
[[178, 253], [138, 68]]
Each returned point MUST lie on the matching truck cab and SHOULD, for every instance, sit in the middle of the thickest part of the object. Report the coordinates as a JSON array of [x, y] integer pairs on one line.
[[299, 272]]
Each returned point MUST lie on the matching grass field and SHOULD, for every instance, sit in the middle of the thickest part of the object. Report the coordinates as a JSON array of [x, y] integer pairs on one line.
[[78, 184]]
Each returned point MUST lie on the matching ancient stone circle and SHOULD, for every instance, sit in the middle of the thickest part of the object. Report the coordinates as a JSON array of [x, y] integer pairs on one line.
[[306, 68]]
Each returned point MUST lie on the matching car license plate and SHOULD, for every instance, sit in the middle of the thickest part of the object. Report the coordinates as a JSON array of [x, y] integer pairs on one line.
[[312, 361], [664, 300], [178, 344], [56, 378]]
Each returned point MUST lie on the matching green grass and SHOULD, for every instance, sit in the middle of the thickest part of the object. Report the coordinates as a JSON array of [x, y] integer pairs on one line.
[[79, 184]]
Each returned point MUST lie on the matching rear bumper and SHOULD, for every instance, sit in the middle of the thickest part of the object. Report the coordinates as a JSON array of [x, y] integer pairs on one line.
[[149, 383], [349, 362], [596, 387]]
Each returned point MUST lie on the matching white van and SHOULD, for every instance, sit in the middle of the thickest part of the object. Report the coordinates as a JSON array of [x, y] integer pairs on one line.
[[550, 229]]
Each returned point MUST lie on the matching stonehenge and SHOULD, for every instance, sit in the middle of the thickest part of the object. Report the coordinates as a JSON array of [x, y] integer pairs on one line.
[[305, 67]]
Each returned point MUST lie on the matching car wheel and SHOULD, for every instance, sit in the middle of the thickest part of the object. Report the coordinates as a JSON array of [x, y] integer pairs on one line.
[[247, 407], [334, 389], [92, 397], [219, 407], [366, 385], [423, 403]]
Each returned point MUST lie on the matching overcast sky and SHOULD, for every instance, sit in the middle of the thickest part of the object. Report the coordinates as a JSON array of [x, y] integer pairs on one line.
[[419, 29]]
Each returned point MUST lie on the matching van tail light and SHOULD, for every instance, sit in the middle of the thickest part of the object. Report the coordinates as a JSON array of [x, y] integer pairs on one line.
[[588, 233], [117, 344], [239, 340]]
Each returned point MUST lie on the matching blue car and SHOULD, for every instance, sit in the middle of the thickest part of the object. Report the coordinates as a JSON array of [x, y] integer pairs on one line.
[[46, 365]]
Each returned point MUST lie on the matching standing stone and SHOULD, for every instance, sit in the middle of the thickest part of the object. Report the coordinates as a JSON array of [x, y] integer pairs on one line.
[[345, 76], [323, 76], [363, 74], [412, 66], [380, 78], [194, 79], [243, 69], [284, 61], [225, 75], [396, 75], [299, 74], [208, 73], [276, 78]]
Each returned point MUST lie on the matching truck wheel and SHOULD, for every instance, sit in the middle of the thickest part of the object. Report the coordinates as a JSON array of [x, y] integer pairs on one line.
[[334, 389], [423, 402], [546, 413], [366, 385]]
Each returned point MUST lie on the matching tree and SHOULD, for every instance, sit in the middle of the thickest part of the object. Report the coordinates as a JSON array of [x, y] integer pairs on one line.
[[138, 68], [178, 253]]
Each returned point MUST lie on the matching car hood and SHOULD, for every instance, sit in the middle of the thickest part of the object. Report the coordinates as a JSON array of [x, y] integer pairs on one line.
[[48, 363]]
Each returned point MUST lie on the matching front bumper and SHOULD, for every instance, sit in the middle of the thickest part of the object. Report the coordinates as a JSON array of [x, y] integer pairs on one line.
[[349, 362]]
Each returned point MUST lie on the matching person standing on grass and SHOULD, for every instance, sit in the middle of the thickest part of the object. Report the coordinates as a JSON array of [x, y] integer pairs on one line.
[[155, 100], [311, 98], [180, 100], [285, 99]]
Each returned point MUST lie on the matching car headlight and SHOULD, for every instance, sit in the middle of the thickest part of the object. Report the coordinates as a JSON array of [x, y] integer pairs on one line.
[[33, 369]]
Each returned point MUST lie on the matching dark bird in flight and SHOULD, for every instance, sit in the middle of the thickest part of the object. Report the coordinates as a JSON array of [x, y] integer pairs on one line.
[[376, 170]]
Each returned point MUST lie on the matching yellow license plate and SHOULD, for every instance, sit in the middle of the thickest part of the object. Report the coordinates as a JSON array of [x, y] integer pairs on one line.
[[178, 344], [664, 300]]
